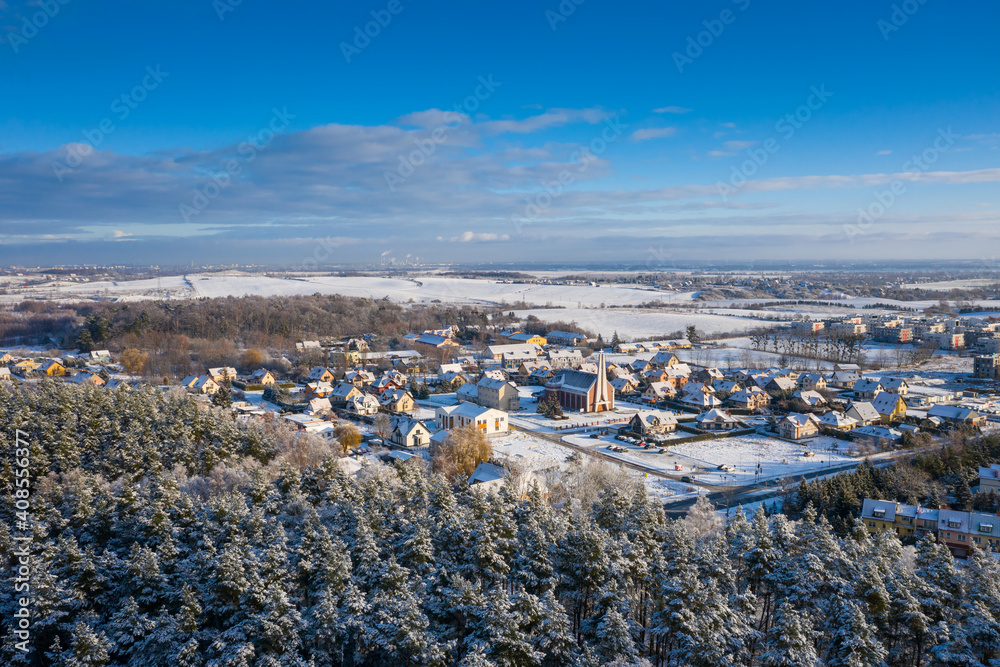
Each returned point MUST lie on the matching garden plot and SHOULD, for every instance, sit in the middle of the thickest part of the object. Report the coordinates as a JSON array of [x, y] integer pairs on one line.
[[777, 458]]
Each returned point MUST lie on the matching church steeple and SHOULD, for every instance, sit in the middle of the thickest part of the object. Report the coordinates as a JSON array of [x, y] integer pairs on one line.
[[602, 398]]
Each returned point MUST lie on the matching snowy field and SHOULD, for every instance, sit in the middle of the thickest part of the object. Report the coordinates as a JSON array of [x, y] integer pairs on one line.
[[776, 458], [422, 289], [642, 324]]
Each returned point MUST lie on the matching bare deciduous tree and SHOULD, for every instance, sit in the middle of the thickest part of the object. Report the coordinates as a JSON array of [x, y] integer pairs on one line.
[[462, 450]]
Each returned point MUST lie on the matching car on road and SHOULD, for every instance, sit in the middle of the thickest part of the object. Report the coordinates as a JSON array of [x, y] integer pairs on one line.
[[686, 479]]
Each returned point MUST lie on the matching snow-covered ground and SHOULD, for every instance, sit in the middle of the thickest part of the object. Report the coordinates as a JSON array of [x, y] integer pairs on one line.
[[422, 289], [776, 458], [638, 324]]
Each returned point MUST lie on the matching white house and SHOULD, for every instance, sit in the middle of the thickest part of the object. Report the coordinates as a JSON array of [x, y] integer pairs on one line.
[[488, 420]]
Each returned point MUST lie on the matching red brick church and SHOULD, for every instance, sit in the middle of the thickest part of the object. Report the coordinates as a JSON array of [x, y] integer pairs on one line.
[[579, 391]]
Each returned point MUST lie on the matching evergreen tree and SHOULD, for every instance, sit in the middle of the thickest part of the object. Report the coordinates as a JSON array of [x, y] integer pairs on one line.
[[790, 642]]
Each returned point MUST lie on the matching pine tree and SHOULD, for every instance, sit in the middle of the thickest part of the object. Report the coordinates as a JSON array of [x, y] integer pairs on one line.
[[854, 642], [790, 641]]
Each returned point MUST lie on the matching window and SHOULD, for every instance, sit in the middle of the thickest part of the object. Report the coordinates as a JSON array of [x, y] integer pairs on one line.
[[879, 513], [986, 528], [976, 540], [871, 524], [961, 538]]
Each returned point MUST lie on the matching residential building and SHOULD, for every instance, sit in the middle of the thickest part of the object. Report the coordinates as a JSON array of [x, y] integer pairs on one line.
[[52, 368], [262, 376], [717, 420], [651, 424], [527, 350], [867, 388], [989, 479], [896, 385], [532, 339], [319, 406], [893, 334], [987, 367], [570, 338], [363, 405], [488, 420], [954, 414], [890, 407], [87, 377], [625, 385], [797, 426], [658, 391], [811, 398], [397, 400], [750, 398], [222, 373], [957, 530], [877, 436], [408, 432], [811, 382], [664, 359], [498, 394], [864, 413], [779, 385], [844, 379], [201, 384], [837, 421], [320, 374], [700, 400]]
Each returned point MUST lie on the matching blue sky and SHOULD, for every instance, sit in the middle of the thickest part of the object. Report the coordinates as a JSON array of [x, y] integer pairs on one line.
[[170, 132]]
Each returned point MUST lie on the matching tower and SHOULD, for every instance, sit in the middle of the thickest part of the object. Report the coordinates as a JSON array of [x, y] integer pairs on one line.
[[603, 399]]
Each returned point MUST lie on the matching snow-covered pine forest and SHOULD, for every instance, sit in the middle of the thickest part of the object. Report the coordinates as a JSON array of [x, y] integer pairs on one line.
[[165, 534]]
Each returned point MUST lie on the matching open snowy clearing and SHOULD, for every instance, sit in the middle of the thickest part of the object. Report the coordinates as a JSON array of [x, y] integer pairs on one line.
[[776, 458]]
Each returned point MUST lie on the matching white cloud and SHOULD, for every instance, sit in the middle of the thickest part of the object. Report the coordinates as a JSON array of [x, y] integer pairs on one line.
[[672, 109], [653, 133], [883, 152], [738, 145], [473, 237]]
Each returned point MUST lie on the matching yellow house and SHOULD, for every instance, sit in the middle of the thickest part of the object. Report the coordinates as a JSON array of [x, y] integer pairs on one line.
[[5, 357], [891, 407], [530, 339], [53, 368], [887, 515], [879, 515], [26, 365], [345, 357], [262, 376]]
